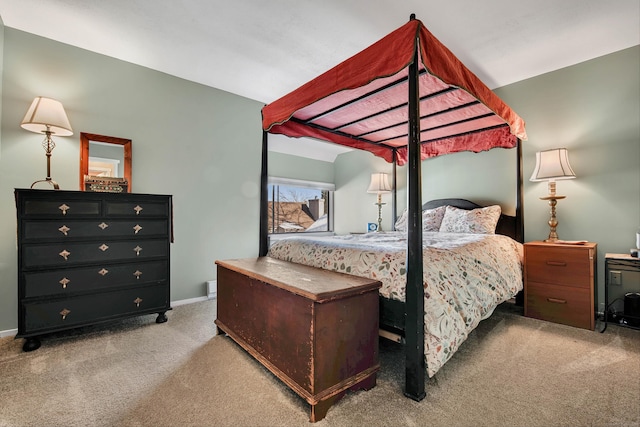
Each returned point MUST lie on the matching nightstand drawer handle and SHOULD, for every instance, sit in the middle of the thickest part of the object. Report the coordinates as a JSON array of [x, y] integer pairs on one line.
[[557, 263], [557, 301], [64, 313]]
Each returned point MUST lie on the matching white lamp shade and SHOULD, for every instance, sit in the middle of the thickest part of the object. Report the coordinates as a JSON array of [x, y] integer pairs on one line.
[[552, 165], [379, 183], [47, 114]]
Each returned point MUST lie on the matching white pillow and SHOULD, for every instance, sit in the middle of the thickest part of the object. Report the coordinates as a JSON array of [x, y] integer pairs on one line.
[[477, 221], [431, 219], [401, 223]]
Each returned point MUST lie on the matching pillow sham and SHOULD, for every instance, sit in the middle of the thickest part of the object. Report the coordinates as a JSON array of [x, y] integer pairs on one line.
[[401, 222], [476, 221], [431, 219]]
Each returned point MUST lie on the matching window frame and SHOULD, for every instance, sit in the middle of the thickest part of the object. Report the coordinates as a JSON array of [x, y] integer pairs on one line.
[[316, 185]]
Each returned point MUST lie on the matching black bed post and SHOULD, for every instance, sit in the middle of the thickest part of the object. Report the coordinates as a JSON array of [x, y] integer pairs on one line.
[[414, 304], [519, 195], [519, 234], [264, 202], [394, 199]]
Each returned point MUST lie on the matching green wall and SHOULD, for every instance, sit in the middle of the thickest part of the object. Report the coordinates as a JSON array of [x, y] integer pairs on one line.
[[200, 144], [592, 109], [293, 167], [203, 146]]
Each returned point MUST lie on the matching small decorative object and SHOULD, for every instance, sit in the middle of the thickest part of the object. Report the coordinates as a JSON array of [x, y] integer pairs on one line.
[[47, 116], [552, 165], [379, 184], [105, 184], [372, 227]]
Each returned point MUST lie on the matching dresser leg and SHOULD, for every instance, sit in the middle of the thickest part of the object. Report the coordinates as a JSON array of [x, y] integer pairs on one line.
[[162, 317], [30, 344]]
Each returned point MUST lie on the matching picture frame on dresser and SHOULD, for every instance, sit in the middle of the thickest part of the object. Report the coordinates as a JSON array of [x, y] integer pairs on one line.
[[111, 150], [90, 257]]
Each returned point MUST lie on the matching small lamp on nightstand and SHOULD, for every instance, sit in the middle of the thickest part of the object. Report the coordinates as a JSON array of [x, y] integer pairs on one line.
[[552, 165], [379, 184]]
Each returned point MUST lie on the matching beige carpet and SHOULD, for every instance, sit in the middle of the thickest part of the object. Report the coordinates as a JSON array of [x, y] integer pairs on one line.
[[512, 371]]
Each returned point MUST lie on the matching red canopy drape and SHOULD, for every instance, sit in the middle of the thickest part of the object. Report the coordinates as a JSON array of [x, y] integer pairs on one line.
[[361, 103]]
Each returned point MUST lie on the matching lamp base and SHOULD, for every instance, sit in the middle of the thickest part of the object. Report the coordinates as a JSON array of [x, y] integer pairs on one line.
[[49, 181], [553, 222]]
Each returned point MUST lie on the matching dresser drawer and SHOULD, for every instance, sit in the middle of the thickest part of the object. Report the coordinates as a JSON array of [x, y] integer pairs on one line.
[[65, 229], [561, 266], [89, 257], [138, 208], [69, 254], [63, 208], [561, 304], [83, 279], [72, 312]]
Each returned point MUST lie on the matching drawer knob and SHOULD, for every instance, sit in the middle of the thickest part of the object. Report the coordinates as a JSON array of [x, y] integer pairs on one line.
[[64, 208], [138, 209], [137, 250], [137, 273], [65, 254], [64, 313], [64, 282], [64, 229], [557, 263], [557, 301], [103, 272], [103, 247], [103, 225], [137, 301], [137, 228]]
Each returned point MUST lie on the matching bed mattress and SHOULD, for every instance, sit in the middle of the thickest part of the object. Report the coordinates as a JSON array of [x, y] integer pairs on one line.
[[465, 276]]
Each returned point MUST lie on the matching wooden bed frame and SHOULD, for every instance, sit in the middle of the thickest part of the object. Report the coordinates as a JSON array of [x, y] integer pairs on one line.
[[279, 117]]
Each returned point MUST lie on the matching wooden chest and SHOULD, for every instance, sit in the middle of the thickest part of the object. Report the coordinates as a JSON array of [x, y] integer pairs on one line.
[[86, 257], [559, 282], [316, 330]]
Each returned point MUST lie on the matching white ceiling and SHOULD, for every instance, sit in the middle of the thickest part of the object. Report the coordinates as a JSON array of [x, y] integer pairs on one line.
[[263, 49]]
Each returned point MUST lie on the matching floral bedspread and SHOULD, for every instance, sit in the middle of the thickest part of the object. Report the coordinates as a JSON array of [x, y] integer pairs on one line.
[[465, 276]]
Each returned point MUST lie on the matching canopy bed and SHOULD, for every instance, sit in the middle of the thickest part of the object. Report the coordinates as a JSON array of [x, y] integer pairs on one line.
[[405, 98]]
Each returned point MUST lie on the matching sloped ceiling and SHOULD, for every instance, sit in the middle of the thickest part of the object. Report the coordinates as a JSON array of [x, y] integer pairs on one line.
[[264, 49]]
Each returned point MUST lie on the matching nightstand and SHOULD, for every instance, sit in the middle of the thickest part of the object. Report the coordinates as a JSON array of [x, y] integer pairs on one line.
[[621, 276], [559, 283]]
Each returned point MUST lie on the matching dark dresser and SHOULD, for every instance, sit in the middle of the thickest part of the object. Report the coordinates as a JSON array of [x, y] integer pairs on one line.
[[88, 257]]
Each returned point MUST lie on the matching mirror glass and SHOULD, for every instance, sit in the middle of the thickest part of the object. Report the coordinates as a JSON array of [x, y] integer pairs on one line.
[[105, 163]]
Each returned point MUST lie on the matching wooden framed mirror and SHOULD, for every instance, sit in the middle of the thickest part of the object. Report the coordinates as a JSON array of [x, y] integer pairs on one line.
[[104, 159]]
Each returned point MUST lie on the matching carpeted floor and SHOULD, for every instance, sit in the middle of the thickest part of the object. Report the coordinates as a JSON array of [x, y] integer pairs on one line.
[[511, 371]]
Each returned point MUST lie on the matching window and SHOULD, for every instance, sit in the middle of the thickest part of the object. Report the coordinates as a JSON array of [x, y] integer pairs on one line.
[[296, 206]]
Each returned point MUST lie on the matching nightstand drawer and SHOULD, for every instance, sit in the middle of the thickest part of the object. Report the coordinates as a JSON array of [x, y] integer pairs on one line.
[[561, 304], [562, 266]]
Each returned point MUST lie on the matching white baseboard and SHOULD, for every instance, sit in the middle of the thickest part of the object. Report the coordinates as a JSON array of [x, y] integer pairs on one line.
[[8, 333], [188, 301], [14, 332], [212, 289]]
